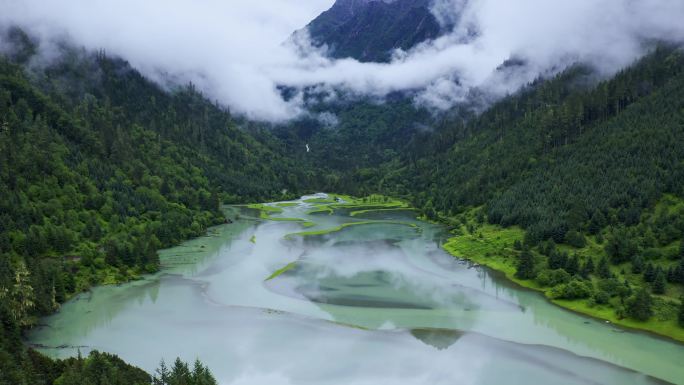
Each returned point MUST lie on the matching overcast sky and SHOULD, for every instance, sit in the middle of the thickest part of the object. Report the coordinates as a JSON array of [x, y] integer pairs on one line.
[[235, 52]]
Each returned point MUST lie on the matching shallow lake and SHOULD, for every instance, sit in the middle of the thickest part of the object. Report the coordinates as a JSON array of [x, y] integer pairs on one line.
[[374, 303]]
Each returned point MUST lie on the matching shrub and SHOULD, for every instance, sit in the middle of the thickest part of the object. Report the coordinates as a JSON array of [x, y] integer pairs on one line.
[[575, 239], [575, 289], [553, 277], [601, 297]]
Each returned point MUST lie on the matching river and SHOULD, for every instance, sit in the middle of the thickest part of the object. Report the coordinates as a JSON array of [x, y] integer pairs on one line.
[[375, 303]]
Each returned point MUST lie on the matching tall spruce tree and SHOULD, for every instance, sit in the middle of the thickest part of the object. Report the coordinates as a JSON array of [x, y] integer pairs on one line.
[[640, 306], [603, 269], [525, 267], [659, 282]]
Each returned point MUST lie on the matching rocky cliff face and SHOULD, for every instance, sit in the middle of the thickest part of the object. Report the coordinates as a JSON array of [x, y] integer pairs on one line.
[[368, 30]]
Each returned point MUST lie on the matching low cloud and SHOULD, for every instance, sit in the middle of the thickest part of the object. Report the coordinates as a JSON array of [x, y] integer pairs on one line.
[[240, 53]]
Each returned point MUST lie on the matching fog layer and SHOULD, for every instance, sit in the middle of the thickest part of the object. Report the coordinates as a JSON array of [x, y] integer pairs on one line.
[[239, 53]]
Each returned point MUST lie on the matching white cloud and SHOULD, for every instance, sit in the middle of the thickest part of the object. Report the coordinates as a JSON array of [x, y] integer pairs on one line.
[[233, 50]]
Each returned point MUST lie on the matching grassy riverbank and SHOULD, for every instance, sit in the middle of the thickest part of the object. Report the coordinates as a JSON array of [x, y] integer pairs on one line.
[[266, 211], [494, 247], [346, 225], [375, 202]]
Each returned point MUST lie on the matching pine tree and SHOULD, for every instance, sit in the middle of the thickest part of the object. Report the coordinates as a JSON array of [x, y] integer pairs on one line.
[[180, 373], [679, 272], [659, 282], [597, 222], [575, 239], [603, 270], [525, 268], [672, 275], [557, 259], [587, 268], [161, 376], [572, 265], [201, 375], [517, 245], [637, 265], [649, 273], [640, 306]]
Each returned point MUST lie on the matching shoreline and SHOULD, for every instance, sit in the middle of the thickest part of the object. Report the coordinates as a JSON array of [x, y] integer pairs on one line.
[[520, 284]]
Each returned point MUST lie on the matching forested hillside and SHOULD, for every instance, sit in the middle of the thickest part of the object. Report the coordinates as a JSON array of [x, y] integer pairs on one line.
[[596, 169], [100, 168], [589, 174], [366, 133]]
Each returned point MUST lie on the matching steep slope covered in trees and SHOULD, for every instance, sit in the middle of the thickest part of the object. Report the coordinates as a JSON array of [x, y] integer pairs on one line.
[[591, 171], [567, 154], [99, 168], [597, 170]]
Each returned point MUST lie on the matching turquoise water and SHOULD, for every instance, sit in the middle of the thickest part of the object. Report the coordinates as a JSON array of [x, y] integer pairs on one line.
[[371, 304]]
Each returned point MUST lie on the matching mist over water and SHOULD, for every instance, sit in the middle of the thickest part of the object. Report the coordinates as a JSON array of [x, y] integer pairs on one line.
[[376, 303]]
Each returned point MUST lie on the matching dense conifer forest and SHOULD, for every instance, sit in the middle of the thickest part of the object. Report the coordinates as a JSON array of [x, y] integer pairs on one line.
[[100, 168], [592, 173]]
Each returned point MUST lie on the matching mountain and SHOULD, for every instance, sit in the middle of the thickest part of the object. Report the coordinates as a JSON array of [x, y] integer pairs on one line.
[[368, 30], [100, 167]]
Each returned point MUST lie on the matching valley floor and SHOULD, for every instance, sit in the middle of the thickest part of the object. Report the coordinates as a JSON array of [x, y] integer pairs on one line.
[[495, 247]]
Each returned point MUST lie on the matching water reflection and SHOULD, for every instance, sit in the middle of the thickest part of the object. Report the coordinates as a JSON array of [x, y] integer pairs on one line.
[[372, 303]]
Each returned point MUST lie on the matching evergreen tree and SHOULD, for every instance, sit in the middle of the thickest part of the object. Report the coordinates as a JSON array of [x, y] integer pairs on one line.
[[599, 238], [659, 282], [101, 369], [637, 265], [649, 273], [161, 376], [681, 312], [597, 222], [517, 245], [587, 268], [620, 247], [572, 265], [557, 259], [672, 275], [547, 247], [525, 266], [603, 269], [679, 272], [180, 373], [626, 290], [640, 305], [575, 239], [201, 375]]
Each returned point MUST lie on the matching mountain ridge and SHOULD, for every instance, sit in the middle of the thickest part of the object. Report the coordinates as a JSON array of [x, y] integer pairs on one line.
[[369, 30]]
